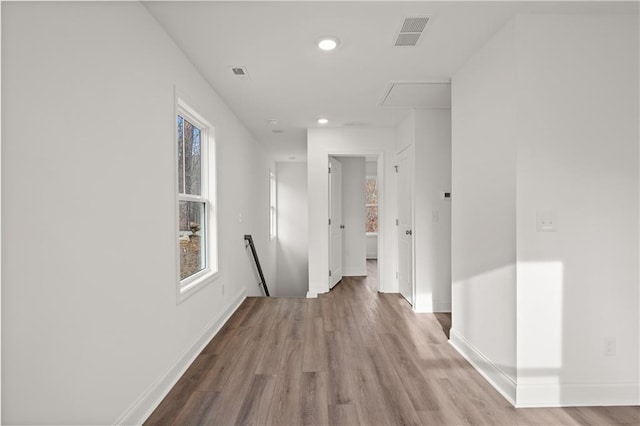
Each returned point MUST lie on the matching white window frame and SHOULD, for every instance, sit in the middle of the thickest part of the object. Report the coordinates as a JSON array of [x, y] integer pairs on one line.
[[273, 206], [200, 279], [373, 205]]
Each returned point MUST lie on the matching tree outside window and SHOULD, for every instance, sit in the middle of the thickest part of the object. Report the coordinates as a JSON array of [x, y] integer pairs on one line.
[[371, 200]]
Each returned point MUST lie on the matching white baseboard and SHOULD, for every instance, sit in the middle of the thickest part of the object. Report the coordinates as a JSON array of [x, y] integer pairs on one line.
[[142, 408], [577, 394], [312, 295], [546, 394], [354, 272], [496, 377]]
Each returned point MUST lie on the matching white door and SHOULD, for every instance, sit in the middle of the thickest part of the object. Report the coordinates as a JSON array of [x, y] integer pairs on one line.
[[405, 225], [335, 222]]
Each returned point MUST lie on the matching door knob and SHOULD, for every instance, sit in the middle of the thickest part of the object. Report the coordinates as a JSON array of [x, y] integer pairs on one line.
[[341, 226], [408, 232]]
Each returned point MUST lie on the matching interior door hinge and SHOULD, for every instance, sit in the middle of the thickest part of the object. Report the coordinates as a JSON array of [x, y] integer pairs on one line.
[[397, 222], [396, 168], [329, 221], [329, 272], [329, 169]]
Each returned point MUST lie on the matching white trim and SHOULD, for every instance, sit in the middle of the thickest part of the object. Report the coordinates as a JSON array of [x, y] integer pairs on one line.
[[577, 394], [273, 205], [408, 151], [208, 185], [379, 154], [354, 272], [149, 400], [312, 295], [496, 377]]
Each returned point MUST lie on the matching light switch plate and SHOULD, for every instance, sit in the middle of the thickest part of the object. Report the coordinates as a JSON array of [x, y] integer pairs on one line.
[[547, 221]]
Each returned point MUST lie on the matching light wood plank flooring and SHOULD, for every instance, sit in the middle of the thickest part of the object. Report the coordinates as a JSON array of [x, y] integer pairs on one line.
[[352, 356]]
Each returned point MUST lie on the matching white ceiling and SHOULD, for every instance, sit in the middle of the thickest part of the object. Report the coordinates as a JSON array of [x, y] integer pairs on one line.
[[292, 81]]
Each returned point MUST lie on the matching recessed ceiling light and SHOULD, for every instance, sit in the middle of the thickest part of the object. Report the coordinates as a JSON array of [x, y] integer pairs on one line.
[[323, 120], [327, 43]]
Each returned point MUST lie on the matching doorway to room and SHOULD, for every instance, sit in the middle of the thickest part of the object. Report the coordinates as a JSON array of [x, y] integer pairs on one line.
[[353, 216]]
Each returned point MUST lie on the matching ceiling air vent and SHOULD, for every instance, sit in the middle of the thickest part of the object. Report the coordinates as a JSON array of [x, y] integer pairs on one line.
[[239, 71], [411, 30]]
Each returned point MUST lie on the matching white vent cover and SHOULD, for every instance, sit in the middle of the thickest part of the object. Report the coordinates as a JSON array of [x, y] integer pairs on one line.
[[411, 30]]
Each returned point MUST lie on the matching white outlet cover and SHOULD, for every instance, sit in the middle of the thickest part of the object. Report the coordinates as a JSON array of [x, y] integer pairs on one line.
[[547, 221]]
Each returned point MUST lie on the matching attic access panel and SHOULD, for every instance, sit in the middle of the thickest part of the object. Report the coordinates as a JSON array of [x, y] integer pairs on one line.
[[418, 95]]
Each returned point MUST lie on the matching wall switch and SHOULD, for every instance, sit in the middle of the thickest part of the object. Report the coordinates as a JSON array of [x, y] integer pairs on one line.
[[610, 346], [547, 221]]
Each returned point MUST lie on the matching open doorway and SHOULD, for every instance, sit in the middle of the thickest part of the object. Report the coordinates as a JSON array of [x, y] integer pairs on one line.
[[353, 216]]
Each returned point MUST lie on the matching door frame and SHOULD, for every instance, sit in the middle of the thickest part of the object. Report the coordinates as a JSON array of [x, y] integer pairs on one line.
[[379, 154], [332, 219], [409, 151]]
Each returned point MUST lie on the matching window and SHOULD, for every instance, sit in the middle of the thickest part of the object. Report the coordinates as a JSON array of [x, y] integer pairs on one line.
[[273, 213], [371, 197], [196, 202]]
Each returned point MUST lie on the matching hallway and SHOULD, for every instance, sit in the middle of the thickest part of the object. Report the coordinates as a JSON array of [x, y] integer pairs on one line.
[[352, 356]]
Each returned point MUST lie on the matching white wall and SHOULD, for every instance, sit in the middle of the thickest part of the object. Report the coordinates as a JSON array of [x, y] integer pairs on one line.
[[483, 234], [577, 137], [292, 271], [371, 168], [320, 144], [554, 100], [91, 330], [354, 250], [428, 131], [432, 215]]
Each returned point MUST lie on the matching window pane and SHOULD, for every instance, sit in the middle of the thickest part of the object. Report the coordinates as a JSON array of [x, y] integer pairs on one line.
[[192, 242], [192, 170], [372, 219], [180, 154], [371, 190]]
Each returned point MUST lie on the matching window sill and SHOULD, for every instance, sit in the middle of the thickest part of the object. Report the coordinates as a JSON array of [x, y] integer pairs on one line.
[[193, 284]]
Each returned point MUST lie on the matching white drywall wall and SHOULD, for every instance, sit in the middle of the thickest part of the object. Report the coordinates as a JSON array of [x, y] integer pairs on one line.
[[432, 215], [483, 237], [577, 154], [320, 144], [371, 168], [354, 251], [546, 120], [428, 131], [91, 330], [372, 246], [292, 272]]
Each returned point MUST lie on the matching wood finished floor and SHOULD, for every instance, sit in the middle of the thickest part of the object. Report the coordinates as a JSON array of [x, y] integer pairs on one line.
[[352, 356]]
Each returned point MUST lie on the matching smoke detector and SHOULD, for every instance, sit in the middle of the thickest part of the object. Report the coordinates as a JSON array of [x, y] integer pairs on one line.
[[411, 31]]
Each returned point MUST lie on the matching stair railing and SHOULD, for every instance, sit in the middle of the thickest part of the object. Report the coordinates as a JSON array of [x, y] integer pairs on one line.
[[262, 282]]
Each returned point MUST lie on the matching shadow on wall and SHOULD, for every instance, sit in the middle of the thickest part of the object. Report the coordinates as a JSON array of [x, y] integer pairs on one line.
[[544, 371]]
